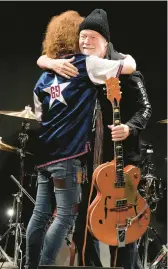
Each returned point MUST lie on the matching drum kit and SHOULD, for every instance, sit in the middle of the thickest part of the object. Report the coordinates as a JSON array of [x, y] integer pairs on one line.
[[150, 188], [17, 227]]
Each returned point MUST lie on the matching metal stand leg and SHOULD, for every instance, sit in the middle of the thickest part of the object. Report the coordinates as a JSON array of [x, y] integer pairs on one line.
[[6, 234], [17, 227], [5, 255], [145, 251]]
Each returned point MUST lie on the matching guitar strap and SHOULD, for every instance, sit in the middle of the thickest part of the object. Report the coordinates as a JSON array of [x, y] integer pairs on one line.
[[98, 141]]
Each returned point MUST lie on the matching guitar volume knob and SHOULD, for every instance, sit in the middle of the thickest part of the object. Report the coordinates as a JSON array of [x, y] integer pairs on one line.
[[135, 175]]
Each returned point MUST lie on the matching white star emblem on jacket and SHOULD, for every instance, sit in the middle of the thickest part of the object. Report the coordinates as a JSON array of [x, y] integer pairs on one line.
[[55, 91]]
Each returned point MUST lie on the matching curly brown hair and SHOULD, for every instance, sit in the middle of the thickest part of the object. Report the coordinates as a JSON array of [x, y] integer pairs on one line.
[[62, 35]]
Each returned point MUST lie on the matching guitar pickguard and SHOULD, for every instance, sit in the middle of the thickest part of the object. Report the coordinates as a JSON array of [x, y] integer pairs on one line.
[[130, 190]]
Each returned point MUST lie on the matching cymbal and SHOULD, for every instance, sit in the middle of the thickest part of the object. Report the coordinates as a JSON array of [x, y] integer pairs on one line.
[[26, 113], [163, 121], [6, 147], [9, 148]]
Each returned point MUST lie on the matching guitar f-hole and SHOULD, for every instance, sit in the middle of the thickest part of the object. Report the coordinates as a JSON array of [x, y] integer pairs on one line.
[[105, 209]]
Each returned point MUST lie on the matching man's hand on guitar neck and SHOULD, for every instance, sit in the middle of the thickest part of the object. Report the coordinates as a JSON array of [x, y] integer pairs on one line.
[[119, 132]]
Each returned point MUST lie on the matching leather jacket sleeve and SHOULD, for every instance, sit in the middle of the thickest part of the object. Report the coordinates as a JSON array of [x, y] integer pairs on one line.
[[134, 82], [140, 119]]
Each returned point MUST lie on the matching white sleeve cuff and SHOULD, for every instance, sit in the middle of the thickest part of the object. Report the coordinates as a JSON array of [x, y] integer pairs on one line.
[[101, 69]]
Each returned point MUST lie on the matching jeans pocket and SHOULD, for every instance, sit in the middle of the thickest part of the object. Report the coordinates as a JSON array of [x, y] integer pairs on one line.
[[58, 170], [43, 176]]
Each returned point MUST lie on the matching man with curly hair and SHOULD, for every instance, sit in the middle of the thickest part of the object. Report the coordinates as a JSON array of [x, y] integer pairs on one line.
[[64, 108], [136, 118]]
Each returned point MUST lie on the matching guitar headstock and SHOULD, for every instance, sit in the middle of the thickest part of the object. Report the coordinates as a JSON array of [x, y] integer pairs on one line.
[[113, 90]]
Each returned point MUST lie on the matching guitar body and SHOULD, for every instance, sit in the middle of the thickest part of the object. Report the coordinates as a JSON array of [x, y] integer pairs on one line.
[[114, 206]]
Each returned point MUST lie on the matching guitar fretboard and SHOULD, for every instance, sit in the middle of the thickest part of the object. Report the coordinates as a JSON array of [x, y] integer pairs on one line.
[[118, 150]]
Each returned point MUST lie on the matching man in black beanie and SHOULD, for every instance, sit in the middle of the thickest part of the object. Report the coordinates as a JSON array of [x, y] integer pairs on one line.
[[94, 39]]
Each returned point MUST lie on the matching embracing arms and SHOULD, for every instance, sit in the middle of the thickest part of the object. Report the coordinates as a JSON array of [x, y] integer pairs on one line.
[[64, 67]]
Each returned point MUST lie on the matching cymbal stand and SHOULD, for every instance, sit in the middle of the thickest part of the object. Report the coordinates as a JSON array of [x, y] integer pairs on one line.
[[18, 227], [23, 138]]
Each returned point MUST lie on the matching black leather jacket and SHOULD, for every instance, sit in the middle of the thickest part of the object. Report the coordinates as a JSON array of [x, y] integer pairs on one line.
[[135, 110]]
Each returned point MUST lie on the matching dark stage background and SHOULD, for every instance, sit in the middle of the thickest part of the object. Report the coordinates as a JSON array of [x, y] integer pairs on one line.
[[137, 28]]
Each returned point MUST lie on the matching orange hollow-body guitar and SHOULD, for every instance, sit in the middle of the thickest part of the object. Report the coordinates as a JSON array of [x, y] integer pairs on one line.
[[118, 215]]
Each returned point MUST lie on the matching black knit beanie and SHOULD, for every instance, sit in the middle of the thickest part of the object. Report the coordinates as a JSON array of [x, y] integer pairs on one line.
[[97, 21]]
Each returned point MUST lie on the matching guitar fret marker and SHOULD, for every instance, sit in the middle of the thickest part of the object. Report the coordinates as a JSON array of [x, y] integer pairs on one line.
[[118, 147], [116, 121]]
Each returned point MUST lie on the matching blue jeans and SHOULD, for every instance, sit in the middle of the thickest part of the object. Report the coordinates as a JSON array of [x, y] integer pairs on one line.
[[67, 194]]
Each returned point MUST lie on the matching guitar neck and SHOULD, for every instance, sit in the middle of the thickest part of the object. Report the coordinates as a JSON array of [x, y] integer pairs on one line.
[[118, 149], [114, 96]]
